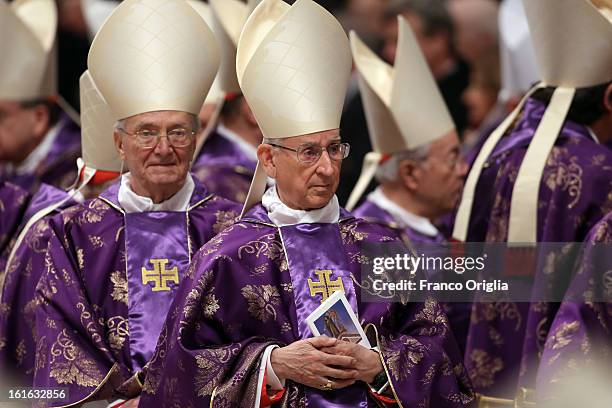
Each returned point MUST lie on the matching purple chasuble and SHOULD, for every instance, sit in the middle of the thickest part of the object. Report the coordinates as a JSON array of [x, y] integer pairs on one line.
[[580, 336], [241, 295], [92, 337], [458, 312], [370, 211], [13, 204], [45, 196], [224, 168], [307, 247], [17, 318], [58, 168], [506, 339]]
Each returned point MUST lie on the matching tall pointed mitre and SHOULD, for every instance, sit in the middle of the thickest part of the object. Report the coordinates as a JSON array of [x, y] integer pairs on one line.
[[27, 49], [97, 124], [403, 104], [293, 66], [229, 17], [519, 69], [215, 94], [153, 55], [572, 42]]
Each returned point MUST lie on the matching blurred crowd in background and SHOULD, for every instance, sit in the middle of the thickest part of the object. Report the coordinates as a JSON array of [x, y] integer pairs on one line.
[[460, 39]]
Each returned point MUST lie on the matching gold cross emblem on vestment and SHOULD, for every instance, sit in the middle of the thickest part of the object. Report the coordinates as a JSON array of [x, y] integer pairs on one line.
[[325, 286], [160, 276]]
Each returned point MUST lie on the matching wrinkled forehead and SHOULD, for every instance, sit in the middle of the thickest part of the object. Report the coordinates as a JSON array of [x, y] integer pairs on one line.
[[160, 118], [319, 138]]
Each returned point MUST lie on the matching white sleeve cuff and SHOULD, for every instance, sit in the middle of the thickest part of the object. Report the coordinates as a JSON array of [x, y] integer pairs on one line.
[[272, 380]]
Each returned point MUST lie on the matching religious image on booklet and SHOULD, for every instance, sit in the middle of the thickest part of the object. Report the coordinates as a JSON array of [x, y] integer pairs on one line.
[[335, 318]]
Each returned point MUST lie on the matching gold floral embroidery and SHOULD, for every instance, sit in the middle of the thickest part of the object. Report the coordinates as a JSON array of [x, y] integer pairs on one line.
[[359, 258], [269, 247], [349, 233], [118, 331], [402, 361], [35, 238], [262, 300], [224, 219], [96, 241], [560, 175], [433, 314], [80, 258], [482, 368], [20, 352], [495, 337], [211, 363], [120, 287], [213, 245], [260, 270], [69, 365], [41, 355], [491, 311], [210, 305], [428, 377], [563, 335]]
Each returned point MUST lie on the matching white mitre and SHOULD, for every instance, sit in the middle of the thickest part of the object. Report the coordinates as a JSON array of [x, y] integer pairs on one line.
[[293, 66], [403, 104], [97, 125], [153, 55], [28, 63]]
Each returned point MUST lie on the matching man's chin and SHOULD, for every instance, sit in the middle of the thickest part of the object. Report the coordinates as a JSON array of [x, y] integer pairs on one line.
[[167, 179], [319, 201]]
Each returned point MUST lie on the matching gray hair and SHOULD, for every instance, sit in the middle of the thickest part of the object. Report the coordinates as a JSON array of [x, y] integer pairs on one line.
[[388, 171]]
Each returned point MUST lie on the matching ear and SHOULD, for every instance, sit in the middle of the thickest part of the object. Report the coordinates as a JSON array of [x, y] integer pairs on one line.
[[41, 121], [409, 174], [265, 154], [607, 100], [119, 144]]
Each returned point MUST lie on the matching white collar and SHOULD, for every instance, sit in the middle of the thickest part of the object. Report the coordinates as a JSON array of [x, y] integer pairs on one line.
[[281, 215], [243, 145], [132, 202], [402, 217], [37, 155]]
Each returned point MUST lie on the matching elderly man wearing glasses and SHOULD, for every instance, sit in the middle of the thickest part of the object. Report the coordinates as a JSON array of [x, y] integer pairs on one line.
[[237, 334], [114, 263]]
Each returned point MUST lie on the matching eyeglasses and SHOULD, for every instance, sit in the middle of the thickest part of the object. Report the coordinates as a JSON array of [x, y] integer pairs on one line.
[[148, 139], [309, 154]]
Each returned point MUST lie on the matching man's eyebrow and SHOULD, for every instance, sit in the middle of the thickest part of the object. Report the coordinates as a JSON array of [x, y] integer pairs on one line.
[[145, 123], [178, 123]]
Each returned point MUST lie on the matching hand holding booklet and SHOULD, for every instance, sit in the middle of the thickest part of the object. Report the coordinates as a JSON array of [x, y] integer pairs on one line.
[[335, 318]]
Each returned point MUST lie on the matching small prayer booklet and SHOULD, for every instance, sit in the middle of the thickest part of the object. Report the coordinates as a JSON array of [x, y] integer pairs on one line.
[[335, 318]]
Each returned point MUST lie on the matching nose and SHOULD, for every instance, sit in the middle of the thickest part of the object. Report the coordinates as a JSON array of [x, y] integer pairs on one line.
[[163, 146], [324, 165]]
